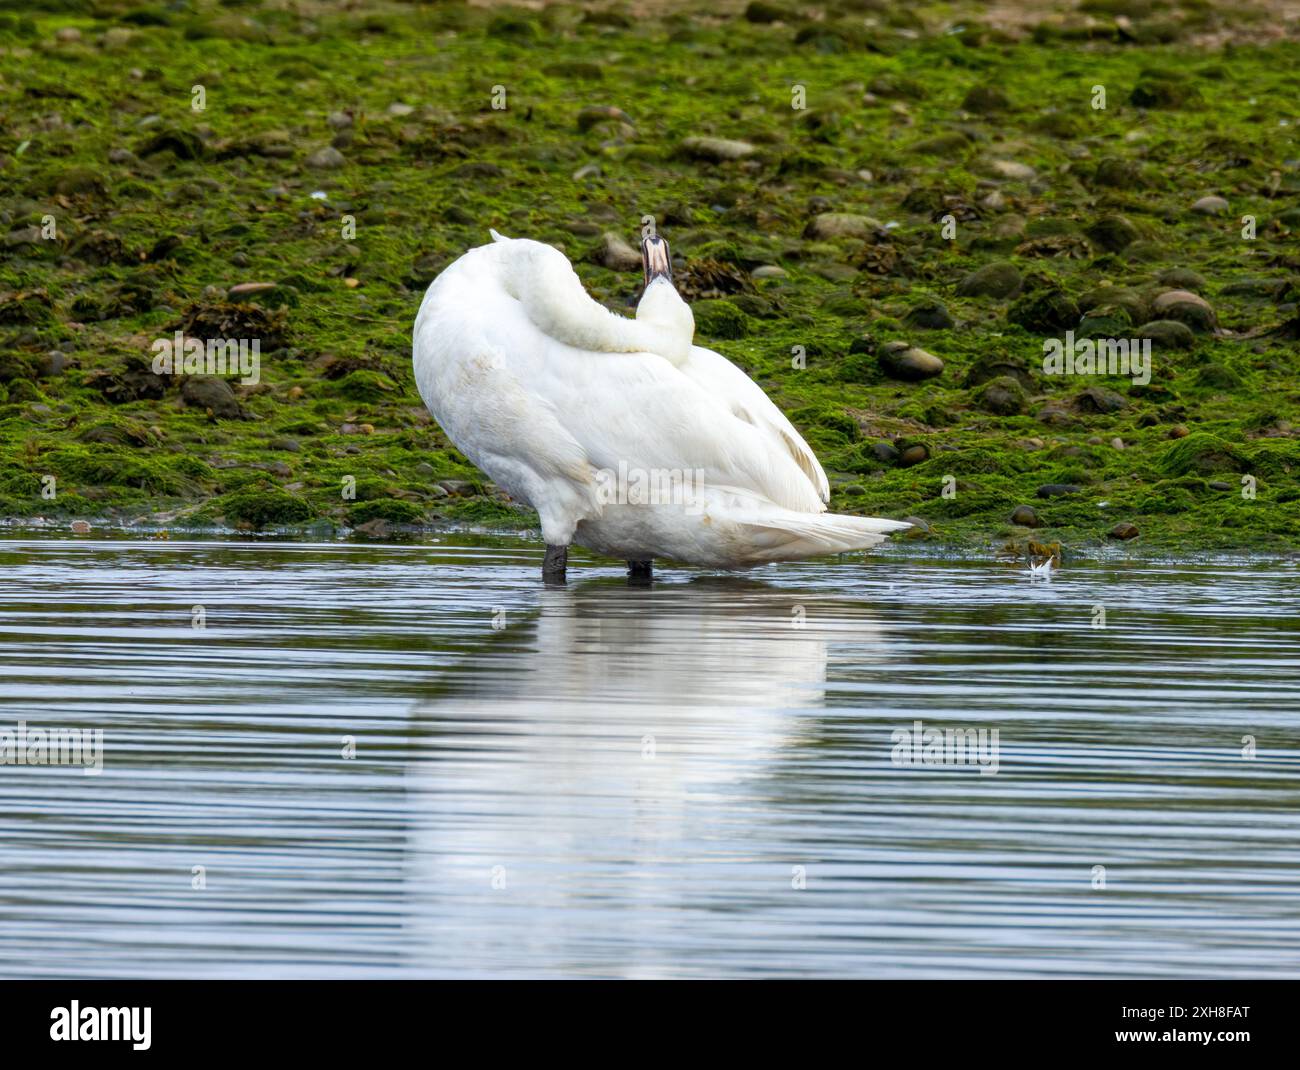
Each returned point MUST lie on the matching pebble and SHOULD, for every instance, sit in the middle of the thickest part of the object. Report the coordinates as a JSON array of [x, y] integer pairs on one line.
[[906, 363], [886, 452], [1026, 516], [605, 113], [841, 225], [930, 315], [80, 527], [1003, 396], [1056, 490], [1182, 278], [617, 255], [716, 149], [913, 455], [1123, 530], [378, 528], [1211, 205], [992, 280], [1171, 334], [1186, 307], [246, 289], [1011, 170], [327, 158]]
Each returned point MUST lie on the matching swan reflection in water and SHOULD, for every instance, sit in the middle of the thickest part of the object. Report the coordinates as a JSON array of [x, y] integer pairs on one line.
[[617, 764]]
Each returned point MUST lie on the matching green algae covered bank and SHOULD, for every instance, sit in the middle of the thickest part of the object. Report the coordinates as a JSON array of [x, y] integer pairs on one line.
[[1025, 278]]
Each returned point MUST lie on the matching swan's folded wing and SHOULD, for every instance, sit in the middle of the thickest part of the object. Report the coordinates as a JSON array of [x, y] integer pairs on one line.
[[728, 384], [620, 410]]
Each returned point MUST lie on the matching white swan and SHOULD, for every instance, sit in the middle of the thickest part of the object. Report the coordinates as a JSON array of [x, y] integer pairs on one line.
[[621, 434]]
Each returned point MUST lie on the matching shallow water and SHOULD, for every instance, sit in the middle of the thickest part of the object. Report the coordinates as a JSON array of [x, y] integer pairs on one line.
[[604, 780]]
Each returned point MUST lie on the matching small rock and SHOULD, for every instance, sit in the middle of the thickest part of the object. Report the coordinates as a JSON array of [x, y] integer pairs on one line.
[[716, 149], [399, 110], [1011, 170], [80, 527], [913, 455], [1112, 233], [1117, 443], [886, 452], [1026, 516], [607, 113], [930, 315], [247, 289], [1003, 396], [121, 156], [1055, 415], [1182, 278], [378, 528], [1211, 205], [67, 34], [769, 271], [1185, 307], [1056, 490], [1178, 431], [1168, 334], [898, 360], [208, 392], [992, 280], [1098, 399], [616, 254], [1219, 484], [841, 225], [339, 120], [586, 171], [1123, 530], [1048, 311], [326, 159]]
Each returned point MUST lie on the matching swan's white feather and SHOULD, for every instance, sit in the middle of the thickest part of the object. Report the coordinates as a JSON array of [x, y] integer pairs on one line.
[[542, 388]]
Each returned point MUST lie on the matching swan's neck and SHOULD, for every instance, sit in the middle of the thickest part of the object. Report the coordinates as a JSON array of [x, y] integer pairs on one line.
[[561, 309]]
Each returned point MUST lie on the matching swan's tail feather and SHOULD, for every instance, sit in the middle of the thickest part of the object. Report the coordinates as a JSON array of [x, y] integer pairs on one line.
[[788, 536], [496, 236]]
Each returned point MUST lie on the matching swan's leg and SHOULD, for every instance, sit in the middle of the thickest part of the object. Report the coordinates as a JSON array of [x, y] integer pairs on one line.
[[554, 563], [640, 571]]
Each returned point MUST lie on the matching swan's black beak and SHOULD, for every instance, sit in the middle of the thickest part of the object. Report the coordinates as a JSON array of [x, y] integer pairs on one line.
[[656, 262]]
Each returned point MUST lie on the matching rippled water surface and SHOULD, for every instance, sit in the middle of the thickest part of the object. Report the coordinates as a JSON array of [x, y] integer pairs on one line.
[[699, 778]]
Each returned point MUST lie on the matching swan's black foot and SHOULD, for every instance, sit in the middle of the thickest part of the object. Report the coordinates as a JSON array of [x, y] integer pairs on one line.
[[554, 564], [640, 571]]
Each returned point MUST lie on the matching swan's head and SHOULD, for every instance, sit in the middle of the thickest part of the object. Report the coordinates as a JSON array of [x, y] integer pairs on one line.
[[661, 307]]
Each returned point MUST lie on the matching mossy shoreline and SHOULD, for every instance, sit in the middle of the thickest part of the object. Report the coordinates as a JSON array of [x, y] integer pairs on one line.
[[949, 187]]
